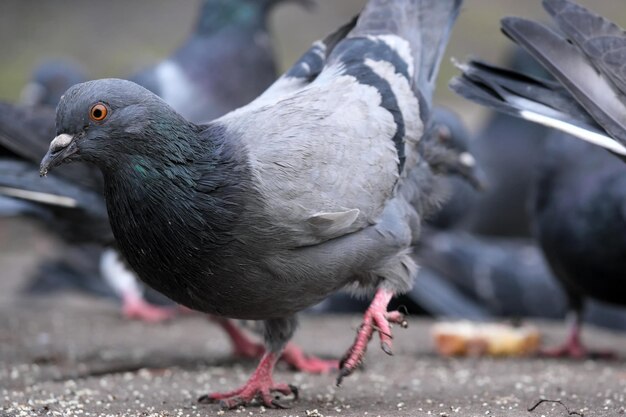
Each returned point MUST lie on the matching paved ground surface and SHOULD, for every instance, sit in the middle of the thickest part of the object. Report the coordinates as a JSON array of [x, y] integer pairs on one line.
[[72, 355]]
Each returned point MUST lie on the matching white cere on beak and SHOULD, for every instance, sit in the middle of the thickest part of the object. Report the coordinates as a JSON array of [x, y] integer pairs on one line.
[[60, 142], [467, 159]]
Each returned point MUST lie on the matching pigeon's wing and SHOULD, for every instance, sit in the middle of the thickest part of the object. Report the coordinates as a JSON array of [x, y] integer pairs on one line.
[[540, 101], [328, 157], [307, 68], [306, 148], [593, 90], [602, 41]]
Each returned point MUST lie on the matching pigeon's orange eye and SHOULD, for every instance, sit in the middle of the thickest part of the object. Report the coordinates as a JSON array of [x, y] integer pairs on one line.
[[98, 112]]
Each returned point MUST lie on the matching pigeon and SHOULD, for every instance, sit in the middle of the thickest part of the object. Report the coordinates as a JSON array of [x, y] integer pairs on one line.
[[463, 191], [482, 278], [585, 56], [579, 218], [254, 216], [49, 81], [225, 63]]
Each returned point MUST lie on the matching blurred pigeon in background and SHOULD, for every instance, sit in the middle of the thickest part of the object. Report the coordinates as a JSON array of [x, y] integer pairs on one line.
[[586, 58], [579, 213], [461, 193], [49, 81], [487, 277], [262, 213], [225, 63], [578, 199]]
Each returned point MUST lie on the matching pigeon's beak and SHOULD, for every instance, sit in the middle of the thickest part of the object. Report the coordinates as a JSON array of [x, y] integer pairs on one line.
[[471, 171], [61, 148]]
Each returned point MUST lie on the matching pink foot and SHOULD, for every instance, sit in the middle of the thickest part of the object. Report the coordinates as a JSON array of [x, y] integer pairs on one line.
[[376, 318], [574, 349], [296, 359], [139, 309], [260, 387]]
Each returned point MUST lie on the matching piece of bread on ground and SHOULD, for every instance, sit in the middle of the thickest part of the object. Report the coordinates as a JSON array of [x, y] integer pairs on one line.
[[465, 338]]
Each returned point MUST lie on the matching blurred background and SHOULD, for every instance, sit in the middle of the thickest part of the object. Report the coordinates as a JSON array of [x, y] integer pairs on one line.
[[117, 38]]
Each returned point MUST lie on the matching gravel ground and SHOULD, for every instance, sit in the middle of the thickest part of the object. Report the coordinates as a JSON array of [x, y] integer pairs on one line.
[[72, 355]]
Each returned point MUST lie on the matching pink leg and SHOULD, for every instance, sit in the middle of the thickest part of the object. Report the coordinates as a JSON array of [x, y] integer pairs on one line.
[[136, 308], [243, 346], [376, 318], [260, 386], [573, 347], [296, 359]]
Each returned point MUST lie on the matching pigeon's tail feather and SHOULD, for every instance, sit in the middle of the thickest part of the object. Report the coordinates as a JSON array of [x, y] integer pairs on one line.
[[568, 64], [602, 41], [425, 24], [540, 101]]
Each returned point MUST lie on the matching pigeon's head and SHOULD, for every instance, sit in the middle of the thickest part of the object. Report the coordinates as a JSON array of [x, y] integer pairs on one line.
[[104, 120], [451, 134]]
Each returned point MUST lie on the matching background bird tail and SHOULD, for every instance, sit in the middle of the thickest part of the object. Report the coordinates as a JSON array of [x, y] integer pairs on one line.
[[534, 99]]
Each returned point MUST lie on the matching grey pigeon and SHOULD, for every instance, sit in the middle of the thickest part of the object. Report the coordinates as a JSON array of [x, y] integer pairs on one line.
[[275, 206], [586, 57]]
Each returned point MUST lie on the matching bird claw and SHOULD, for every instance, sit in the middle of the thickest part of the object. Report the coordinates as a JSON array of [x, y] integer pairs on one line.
[[296, 359], [376, 318], [253, 390]]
